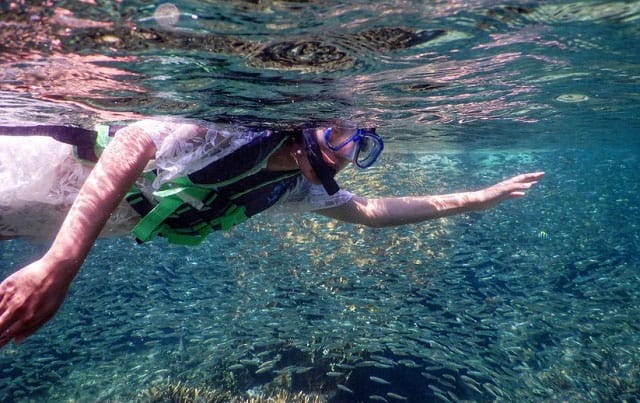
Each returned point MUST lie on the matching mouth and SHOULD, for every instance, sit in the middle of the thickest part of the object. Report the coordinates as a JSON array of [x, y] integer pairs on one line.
[[332, 162]]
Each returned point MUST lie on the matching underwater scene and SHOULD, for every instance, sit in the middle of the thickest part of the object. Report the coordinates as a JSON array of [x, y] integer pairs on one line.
[[535, 300]]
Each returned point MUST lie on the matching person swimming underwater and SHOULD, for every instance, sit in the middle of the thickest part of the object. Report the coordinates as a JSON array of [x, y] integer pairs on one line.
[[181, 180]]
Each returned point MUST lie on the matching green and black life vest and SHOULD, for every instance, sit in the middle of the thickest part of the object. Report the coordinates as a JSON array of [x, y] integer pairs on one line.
[[217, 197]]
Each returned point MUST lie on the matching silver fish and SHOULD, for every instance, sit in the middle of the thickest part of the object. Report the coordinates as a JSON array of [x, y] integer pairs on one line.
[[428, 376], [344, 388], [396, 396], [409, 363], [379, 380], [302, 370], [449, 377], [467, 380], [366, 364], [264, 369], [473, 387]]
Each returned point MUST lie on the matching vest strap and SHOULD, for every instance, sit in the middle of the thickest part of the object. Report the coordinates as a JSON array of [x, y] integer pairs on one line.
[[187, 209], [171, 200], [151, 224], [102, 139], [233, 216], [191, 239]]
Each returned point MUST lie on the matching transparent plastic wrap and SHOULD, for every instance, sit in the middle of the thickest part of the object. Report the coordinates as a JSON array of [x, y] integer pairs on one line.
[[40, 178], [308, 197], [185, 147], [29, 169]]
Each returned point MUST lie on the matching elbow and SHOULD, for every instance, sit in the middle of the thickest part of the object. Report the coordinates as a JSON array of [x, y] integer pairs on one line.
[[136, 139], [372, 213]]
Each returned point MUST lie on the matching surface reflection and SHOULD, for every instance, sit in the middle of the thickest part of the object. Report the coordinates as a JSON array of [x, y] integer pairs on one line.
[[398, 64]]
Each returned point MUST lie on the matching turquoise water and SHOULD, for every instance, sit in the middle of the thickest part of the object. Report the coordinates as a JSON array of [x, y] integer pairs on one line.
[[536, 300]]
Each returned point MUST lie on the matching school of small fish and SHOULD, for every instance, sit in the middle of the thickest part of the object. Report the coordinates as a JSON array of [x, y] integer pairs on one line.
[[473, 308]]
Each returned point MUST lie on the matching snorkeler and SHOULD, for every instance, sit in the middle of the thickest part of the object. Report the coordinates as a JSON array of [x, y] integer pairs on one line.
[[181, 181]]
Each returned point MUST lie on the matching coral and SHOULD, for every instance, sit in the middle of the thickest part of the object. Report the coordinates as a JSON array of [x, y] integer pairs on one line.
[[179, 392]]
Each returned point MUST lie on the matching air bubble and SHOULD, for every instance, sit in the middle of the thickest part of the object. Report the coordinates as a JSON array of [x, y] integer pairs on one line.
[[572, 98], [167, 15]]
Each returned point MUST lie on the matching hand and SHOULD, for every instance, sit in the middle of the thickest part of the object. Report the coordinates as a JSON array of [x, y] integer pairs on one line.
[[28, 299], [509, 189]]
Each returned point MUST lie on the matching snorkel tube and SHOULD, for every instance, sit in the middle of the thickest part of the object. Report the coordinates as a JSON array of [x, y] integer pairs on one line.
[[323, 171]]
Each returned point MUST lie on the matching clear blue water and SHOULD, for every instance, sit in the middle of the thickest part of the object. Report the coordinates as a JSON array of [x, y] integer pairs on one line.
[[536, 300]]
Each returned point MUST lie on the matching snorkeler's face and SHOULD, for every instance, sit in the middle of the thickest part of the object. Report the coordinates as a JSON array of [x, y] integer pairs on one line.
[[328, 151], [333, 162], [336, 159], [315, 162]]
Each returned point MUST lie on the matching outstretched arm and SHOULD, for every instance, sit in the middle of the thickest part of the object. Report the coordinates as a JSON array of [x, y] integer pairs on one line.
[[393, 211], [32, 295]]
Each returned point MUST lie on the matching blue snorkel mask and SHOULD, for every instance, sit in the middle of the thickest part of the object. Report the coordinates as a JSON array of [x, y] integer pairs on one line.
[[365, 146], [362, 148]]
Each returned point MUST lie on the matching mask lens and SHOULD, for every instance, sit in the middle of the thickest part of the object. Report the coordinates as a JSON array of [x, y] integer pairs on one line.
[[366, 146], [369, 151]]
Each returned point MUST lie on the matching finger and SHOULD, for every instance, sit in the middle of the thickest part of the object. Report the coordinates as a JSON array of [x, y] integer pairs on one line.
[[5, 319], [528, 177], [28, 329], [15, 330], [6, 336], [19, 332], [3, 306], [534, 176], [21, 338], [18, 339], [521, 186], [8, 321]]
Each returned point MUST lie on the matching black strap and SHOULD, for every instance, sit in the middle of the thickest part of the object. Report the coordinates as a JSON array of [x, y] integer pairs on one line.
[[83, 139], [319, 166]]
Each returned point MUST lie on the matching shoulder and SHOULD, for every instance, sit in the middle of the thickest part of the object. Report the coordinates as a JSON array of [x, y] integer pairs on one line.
[[161, 129]]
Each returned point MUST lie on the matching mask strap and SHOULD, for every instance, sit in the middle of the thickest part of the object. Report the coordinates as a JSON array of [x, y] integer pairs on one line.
[[323, 171]]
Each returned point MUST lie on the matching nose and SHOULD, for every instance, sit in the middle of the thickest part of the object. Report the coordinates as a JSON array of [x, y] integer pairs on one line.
[[348, 151]]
